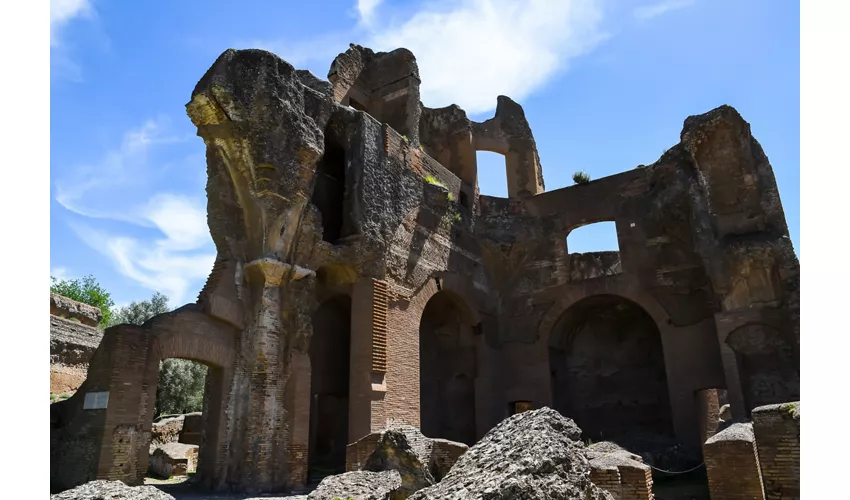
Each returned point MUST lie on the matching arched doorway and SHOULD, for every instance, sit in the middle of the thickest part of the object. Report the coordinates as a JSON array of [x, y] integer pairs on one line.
[[447, 370], [608, 372], [329, 381], [191, 390], [768, 365]]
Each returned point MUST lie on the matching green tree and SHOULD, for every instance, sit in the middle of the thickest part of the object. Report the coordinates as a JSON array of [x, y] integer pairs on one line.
[[136, 313], [86, 290], [180, 388]]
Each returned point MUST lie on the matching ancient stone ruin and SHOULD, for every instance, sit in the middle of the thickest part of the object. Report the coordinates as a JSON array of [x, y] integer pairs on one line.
[[73, 339], [363, 281]]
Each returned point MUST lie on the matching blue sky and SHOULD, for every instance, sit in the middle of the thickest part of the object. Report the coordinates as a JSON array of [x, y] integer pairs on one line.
[[605, 84]]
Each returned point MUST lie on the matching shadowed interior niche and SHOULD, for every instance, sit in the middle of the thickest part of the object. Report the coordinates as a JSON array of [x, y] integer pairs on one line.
[[767, 364], [447, 370], [608, 372], [329, 361], [329, 191]]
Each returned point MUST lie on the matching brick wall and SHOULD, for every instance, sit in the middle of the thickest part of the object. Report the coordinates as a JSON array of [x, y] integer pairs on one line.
[[635, 482], [777, 433], [607, 478], [444, 454], [622, 476], [732, 464]]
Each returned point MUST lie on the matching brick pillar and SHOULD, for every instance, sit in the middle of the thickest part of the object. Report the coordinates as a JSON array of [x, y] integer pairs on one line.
[[367, 386], [272, 368], [777, 433], [732, 464], [635, 482], [298, 406], [607, 478], [708, 413]]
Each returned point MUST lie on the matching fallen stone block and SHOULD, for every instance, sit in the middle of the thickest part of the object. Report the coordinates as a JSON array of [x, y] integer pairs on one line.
[[532, 455], [112, 490], [359, 485], [173, 459], [441, 453]]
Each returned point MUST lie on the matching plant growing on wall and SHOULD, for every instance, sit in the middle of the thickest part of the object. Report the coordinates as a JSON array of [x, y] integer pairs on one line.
[[86, 290], [581, 177]]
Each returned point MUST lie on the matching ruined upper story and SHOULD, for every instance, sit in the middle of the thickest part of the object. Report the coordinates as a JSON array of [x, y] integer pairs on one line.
[[353, 176]]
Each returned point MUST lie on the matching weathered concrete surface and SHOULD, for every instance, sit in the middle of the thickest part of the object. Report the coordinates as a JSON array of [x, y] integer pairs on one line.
[[536, 454], [360, 485], [114, 490]]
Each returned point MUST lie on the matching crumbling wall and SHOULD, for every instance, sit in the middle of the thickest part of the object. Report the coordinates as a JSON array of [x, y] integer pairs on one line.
[[74, 336], [72, 345], [777, 433]]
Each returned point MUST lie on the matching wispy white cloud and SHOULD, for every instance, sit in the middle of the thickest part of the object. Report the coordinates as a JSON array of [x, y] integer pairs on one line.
[[651, 11], [470, 51], [62, 13], [89, 189], [366, 9], [122, 186], [180, 259], [61, 273]]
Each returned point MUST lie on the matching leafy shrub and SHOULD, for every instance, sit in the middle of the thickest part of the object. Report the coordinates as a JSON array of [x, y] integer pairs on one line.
[[581, 177]]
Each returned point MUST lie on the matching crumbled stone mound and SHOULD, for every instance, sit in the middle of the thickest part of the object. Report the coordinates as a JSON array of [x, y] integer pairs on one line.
[[532, 455], [111, 490], [405, 450], [359, 485], [166, 430]]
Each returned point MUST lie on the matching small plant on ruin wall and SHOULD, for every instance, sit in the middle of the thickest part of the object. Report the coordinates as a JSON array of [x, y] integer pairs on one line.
[[451, 197], [430, 179], [581, 177], [404, 138]]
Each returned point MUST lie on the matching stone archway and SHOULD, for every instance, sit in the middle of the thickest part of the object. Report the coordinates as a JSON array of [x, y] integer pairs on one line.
[[330, 349], [608, 372], [447, 369]]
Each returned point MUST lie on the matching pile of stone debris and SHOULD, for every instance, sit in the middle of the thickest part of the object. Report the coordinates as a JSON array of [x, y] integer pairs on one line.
[[533, 455]]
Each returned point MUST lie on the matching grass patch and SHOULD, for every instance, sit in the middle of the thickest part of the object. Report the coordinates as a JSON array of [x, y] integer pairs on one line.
[[430, 179], [55, 398]]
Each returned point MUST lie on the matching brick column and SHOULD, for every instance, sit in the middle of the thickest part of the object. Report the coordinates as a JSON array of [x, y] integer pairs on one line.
[[708, 413], [732, 464], [777, 432], [367, 386]]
